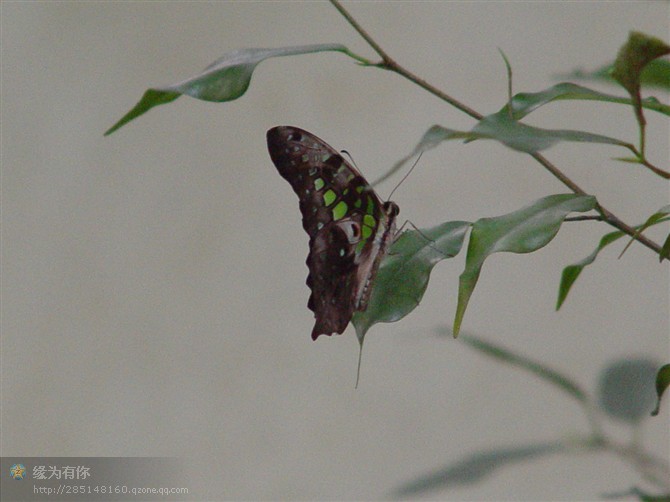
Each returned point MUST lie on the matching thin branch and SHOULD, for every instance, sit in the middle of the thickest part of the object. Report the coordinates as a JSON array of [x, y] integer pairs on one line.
[[360, 30], [389, 63], [657, 170]]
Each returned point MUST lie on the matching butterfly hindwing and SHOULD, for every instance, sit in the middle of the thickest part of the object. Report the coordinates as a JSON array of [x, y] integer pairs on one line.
[[348, 226]]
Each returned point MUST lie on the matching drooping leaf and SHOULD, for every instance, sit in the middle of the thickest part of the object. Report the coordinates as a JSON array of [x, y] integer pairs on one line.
[[540, 370], [662, 383], [522, 231], [403, 276], [655, 74], [626, 389], [571, 272], [657, 217], [224, 80]]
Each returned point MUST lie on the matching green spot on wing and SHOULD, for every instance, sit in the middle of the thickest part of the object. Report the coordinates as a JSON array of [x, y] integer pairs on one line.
[[319, 183], [369, 220], [340, 210], [371, 206], [359, 246], [358, 203], [329, 197], [366, 232]]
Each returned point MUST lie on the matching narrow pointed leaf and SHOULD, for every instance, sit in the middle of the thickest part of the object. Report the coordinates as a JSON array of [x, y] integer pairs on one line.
[[658, 217], [665, 250], [662, 383], [571, 272], [529, 138], [522, 231], [547, 374], [430, 139], [403, 276], [473, 469], [524, 138], [224, 80], [512, 133], [526, 102]]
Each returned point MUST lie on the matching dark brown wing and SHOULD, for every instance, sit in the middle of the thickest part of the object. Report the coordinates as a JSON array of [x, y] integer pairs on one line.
[[334, 201]]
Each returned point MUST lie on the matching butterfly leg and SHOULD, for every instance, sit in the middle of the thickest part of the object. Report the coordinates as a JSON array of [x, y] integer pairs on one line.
[[399, 232]]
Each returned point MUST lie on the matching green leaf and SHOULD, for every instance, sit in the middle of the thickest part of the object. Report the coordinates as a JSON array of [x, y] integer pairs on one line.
[[634, 55], [662, 383], [224, 80], [665, 250], [657, 217], [547, 374], [522, 231], [655, 74], [529, 138], [430, 139], [504, 129], [524, 103], [524, 138], [403, 276], [647, 497], [571, 272]]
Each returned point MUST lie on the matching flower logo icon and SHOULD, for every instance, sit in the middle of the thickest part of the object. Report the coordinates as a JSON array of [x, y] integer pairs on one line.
[[18, 471]]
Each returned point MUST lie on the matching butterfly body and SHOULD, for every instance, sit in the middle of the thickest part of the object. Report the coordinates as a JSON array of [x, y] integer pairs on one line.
[[350, 229]]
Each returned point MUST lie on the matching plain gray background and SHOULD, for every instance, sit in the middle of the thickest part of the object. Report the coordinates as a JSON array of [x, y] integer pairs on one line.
[[153, 296]]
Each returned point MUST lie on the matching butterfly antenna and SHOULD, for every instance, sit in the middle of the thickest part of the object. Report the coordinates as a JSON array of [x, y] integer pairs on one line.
[[406, 176]]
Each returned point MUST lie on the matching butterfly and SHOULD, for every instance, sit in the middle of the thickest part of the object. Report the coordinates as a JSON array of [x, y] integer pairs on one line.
[[350, 229]]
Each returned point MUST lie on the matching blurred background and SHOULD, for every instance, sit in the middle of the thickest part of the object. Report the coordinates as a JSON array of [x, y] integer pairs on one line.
[[153, 281]]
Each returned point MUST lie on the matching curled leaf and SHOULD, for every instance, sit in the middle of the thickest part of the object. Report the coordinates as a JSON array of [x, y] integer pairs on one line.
[[638, 51]]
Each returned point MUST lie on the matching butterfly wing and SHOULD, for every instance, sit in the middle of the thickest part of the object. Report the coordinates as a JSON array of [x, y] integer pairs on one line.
[[343, 218]]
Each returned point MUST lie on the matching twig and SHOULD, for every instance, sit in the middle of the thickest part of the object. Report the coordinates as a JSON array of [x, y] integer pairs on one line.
[[389, 63]]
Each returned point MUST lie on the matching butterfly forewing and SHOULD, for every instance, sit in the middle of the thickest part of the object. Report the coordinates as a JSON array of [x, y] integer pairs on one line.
[[349, 227]]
